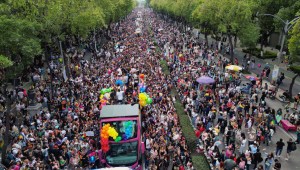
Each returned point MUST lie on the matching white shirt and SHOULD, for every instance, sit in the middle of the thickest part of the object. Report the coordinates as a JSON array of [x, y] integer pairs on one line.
[[120, 95]]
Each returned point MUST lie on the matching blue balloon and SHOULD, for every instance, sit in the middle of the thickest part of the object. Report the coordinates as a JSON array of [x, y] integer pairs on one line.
[[92, 159], [119, 83], [143, 89]]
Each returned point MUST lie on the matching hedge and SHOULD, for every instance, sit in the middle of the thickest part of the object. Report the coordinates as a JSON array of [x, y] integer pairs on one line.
[[256, 52], [199, 161], [295, 69]]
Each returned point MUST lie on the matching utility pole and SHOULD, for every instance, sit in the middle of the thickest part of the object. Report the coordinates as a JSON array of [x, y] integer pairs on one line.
[[64, 70], [287, 26]]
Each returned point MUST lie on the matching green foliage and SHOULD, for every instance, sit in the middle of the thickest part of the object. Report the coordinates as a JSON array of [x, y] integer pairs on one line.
[[26, 24], [248, 35], [294, 41], [256, 52], [18, 39], [287, 13], [5, 62], [227, 15], [295, 69]]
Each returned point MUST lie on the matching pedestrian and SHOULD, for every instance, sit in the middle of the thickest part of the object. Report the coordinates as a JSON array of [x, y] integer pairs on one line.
[[260, 167], [268, 72], [229, 164], [243, 144], [277, 165], [257, 158], [279, 147], [291, 146], [269, 161]]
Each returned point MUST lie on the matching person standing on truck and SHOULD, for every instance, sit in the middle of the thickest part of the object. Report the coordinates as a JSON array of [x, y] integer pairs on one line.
[[120, 96]]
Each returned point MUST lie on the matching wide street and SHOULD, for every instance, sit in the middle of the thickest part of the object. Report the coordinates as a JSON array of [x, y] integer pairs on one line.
[[127, 84]]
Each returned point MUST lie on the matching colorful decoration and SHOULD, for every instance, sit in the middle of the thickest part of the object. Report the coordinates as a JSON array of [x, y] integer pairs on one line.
[[143, 89], [92, 159], [118, 139], [106, 90], [144, 99], [119, 83], [142, 76], [128, 126], [142, 96], [149, 101], [106, 132]]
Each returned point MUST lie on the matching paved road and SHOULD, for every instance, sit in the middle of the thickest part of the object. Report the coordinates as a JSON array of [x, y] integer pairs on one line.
[[288, 74]]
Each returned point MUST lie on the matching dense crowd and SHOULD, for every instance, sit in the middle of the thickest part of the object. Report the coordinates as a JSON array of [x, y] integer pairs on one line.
[[53, 138], [220, 112]]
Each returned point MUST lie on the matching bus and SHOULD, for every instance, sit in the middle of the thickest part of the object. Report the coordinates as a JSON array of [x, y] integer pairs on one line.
[[128, 151]]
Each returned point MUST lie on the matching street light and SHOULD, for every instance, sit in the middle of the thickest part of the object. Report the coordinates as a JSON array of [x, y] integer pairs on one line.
[[287, 26]]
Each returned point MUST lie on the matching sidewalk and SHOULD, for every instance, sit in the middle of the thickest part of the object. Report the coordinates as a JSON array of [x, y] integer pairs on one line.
[[288, 74]]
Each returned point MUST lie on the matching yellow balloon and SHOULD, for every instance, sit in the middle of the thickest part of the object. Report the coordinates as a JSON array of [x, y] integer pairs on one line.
[[101, 96], [142, 97]]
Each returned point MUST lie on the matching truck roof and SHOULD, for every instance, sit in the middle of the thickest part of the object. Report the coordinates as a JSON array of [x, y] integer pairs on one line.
[[110, 111]]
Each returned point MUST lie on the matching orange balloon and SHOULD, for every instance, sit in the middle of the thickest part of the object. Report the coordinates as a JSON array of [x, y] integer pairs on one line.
[[142, 76]]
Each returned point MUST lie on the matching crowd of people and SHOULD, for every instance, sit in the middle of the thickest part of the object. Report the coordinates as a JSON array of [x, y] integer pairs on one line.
[[220, 113], [53, 138]]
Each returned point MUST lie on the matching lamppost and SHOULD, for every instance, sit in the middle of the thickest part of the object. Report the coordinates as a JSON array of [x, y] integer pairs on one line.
[[287, 26]]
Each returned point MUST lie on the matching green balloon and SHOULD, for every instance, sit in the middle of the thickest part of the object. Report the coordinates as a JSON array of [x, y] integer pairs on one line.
[[118, 139], [103, 91], [108, 90], [149, 100]]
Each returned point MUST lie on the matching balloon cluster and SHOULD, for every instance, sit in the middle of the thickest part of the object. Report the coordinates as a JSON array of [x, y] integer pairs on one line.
[[106, 90], [128, 126], [106, 132], [119, 83], [144, 99]]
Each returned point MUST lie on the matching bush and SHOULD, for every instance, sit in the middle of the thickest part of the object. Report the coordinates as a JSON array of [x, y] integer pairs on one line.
[[256, 52], [269, 54], [295, 69]]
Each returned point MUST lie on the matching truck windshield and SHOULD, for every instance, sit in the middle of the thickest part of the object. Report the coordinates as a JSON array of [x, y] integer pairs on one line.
[[124, 131], [122, 154]]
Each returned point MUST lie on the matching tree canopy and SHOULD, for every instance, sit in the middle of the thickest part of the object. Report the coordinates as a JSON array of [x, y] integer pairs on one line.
[[294, 41], [27, 25]]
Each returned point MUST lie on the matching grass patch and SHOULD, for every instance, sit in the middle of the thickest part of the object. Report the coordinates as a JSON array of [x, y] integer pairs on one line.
[[164, 67], [199, 161]]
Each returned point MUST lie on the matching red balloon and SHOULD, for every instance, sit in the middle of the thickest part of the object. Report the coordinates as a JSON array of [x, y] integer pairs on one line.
[[142, 76], [105, 149]]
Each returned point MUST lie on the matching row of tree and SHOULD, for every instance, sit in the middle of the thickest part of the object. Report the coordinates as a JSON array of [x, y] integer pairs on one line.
[[28, 27], [251, 21], [236, 18]]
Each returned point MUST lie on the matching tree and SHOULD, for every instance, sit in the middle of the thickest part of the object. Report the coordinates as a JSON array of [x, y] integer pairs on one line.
[[19, 42], [267, 23], [294, 48], [5, 62], [228, 16], [248, 35]]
